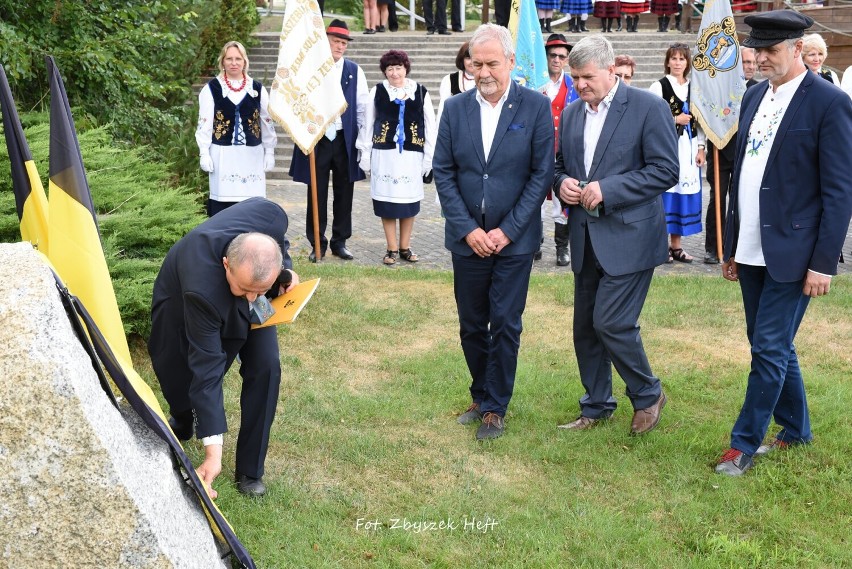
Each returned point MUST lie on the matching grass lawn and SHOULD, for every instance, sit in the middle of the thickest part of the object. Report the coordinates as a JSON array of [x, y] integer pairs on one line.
[[367, 466]]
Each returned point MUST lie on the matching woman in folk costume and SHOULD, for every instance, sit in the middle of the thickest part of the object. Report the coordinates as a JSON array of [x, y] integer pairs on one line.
[[664, 9], [608, 11], [630, 10], [682, 202], [396, 144], [578, 11], [545, 10], [235, 135], [457, 81]]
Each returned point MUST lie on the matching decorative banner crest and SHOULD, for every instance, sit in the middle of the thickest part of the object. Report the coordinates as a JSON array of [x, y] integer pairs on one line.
[[718, 83], [718, 48]]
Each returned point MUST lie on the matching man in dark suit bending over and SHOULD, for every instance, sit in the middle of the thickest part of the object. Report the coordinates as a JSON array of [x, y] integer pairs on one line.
[[493, 165], [617, 156], [205, 300]]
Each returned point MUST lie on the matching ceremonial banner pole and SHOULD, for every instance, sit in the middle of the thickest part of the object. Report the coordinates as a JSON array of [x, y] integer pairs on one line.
[[717, 87], [718, 202], [315, 205], [304, 98]]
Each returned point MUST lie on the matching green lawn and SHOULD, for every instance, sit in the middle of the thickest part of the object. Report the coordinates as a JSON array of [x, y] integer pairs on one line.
[[366, 438]]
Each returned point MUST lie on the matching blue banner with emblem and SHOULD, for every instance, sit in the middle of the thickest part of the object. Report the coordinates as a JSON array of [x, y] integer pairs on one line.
[[717, 83]]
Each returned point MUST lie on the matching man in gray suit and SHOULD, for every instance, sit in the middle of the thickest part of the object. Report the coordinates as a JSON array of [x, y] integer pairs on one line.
[[617, 155], [493, 166]]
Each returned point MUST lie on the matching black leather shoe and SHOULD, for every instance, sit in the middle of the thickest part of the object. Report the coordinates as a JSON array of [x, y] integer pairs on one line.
[[492, 427], [343, 253], [459, 30], [711, 259], [312, 256], [183, 425], [537, 255], [445, 32], [430, 32], [253, 487], [563, 257]]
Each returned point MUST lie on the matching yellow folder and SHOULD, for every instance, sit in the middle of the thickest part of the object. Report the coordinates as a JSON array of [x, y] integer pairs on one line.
[[289, 305]]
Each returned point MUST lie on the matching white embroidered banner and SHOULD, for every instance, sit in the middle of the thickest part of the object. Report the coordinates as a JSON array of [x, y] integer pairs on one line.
[[305, 98]]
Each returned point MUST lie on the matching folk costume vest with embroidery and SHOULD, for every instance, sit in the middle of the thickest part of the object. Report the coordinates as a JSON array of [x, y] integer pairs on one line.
[[676, 105], [387, 117], [224, 112]]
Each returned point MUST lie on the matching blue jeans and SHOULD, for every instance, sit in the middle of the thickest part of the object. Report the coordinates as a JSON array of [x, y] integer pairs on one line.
[[491, 294], [773, 312]]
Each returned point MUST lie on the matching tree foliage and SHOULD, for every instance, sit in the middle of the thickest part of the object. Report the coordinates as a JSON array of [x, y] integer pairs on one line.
[[128, 63]]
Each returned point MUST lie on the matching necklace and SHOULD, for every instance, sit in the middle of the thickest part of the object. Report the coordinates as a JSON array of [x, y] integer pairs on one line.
[[238, 89], [465, 78]]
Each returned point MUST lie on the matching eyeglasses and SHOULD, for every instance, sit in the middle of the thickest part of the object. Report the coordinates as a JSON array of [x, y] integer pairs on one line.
[[557, 56], [624, 75]]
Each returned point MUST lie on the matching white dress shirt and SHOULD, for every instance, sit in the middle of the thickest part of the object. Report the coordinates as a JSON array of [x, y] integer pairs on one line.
[[594, 125]]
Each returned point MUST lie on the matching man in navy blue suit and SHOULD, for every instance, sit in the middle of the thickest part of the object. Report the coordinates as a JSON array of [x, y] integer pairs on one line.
[[493, 166], [201, 316], [791, 201]]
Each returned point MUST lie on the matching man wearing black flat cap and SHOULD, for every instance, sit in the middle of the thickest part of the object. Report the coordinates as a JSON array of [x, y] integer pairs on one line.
[[335, 153], [791, 201], [560, 90]]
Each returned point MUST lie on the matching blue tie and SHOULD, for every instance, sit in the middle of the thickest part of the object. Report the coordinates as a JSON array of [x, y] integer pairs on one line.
[[400, 125], [239, 135]]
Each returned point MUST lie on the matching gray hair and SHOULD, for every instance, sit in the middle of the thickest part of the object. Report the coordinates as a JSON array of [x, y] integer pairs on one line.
[[491, 32], [592, 49], [260, 251]]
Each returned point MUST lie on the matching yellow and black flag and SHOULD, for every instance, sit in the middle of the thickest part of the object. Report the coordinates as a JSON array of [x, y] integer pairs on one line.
[[30, 199], [77, 253]]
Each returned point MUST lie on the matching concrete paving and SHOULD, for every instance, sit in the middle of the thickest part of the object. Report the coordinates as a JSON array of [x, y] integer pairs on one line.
[[368, 241]]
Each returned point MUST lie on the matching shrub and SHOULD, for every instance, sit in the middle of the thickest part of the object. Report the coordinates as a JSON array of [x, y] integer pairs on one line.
[[139, 213]]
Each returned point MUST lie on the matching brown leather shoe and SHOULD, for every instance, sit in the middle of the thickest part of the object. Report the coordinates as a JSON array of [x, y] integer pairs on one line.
[[580, 424], [645, 420]]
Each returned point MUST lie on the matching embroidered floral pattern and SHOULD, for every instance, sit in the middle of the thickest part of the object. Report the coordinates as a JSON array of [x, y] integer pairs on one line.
[[240, 179], [383, 134], [220, 125], [756, 141], [254, 124], [416, 140], [404, 179]]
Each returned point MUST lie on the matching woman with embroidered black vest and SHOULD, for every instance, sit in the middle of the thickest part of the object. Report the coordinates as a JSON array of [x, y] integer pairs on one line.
[[396, 145], [683, 201], [235, 135]]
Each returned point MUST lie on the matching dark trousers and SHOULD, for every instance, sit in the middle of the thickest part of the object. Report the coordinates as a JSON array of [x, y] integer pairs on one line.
[[502, 8], [436, 21], [773, 312], [215, 206], [455, 15], [393, 22], [260, 370], [331, 162], [726, 168], [491, 294], [606, 333]]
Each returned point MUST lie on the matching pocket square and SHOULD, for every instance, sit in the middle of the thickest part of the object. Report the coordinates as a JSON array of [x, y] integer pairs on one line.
[[517, 126]]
